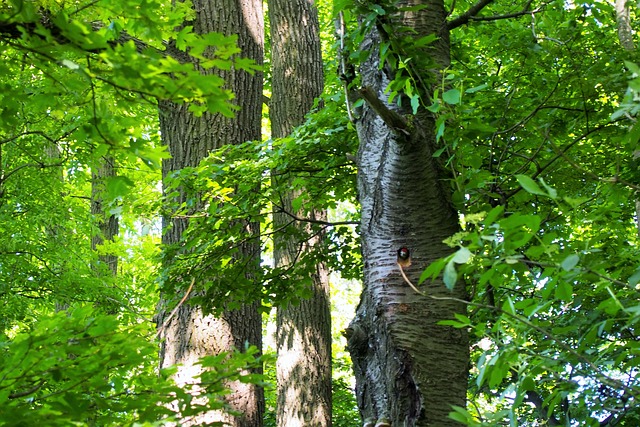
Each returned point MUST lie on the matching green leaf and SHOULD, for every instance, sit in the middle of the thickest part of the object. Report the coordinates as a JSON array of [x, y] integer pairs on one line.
[[452, 96], [634, 68], [435, 107], [530, 185], [415, 103], [118, 186], [450, 276], [635, 277], [433, 270], [563, 291], [439, 151], [70, 64], [461, 256], [551, 192], [569, 262], [493, 215], [424, 41], [461, 321], [440, 126], [477, 88]]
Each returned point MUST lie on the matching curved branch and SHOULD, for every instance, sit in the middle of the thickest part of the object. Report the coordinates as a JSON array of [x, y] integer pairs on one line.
[[175, 310], [392, 119], [471, 14], [315, 221], [464, 19]]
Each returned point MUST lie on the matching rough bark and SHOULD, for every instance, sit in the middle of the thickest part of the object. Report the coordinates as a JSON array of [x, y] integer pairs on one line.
[[191, 334], [625, 37], [52, 157], [304, 330], [625, 33], [107, 223], [409, 370]]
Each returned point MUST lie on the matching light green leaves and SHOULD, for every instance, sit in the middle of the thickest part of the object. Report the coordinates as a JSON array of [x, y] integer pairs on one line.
[[448, 267], [450, 276], [452, 96], [570, 262], [532, 187]]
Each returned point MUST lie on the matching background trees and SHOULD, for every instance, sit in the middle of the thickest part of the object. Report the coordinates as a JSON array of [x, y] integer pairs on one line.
[[194, 331], [303, 330], [532, 115]]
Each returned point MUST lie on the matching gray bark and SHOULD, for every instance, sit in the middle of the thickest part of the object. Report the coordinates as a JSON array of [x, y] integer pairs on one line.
[[304, 330], [625, 33], [107, 224], [191, 334], [625, 37], [409, 370]]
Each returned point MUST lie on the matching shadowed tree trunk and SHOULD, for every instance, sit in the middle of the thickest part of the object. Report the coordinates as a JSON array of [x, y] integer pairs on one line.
[[409, 370], [303, 330], [107, 223], [625, 37], [190, 334]]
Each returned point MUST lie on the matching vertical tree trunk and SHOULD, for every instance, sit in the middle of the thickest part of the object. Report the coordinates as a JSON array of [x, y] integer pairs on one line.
[[190, 334], [52, 157], [108, 226], [409, 370], [625, 37], [304, 330], [625, 33]]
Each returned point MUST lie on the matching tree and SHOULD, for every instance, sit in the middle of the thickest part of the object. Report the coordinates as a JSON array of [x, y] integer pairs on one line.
[[410, 370], [107, 222], [303, 329], [192, 333]]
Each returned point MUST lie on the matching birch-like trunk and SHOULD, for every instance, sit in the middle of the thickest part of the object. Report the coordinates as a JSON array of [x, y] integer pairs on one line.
[[191, 334], [409, 370]]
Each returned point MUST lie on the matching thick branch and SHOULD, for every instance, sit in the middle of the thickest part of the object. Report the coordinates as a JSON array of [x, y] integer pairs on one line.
[[471, 14], [392, 119], [24, 393], [465, 17]]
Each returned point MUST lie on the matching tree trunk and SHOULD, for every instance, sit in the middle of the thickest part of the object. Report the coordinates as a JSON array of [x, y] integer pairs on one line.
[[625, 37], [409, 370], [304, 330], [191, 334], [108, 226], [625, 33], [52, 156]]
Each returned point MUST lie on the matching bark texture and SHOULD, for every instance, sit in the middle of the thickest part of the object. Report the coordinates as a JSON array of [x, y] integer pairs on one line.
[[191, 334], [108, 226], [303, 331], [625, 37], [409, 370], [625, 33]]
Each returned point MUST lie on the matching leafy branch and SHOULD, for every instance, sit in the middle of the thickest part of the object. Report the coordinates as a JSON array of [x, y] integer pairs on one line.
[[618, 384]]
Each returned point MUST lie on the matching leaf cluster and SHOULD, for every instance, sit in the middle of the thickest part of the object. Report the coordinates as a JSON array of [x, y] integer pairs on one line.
[[82, 367], [238, 188]]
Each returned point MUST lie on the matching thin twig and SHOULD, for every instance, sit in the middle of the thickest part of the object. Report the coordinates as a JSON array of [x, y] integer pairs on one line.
[[281, 209], [184, 298]]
